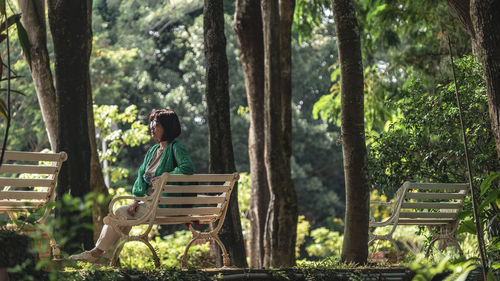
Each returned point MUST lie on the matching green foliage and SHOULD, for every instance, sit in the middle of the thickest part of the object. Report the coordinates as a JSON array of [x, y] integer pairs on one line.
[[326, 243], [118, 130], [426, 142], [308, 14]]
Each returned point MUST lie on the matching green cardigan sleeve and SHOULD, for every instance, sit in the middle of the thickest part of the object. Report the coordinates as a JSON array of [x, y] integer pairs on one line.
[[184, 164], [140, 185]]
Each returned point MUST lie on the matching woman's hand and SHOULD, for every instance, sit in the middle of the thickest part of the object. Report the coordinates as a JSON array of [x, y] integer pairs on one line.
[[154, 179], [132, 208]]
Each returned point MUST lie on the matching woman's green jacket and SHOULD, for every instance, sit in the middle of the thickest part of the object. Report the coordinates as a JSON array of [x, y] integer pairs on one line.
[[179, 164]]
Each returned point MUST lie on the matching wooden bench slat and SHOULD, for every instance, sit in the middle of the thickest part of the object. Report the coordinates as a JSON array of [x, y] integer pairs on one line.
[[431, 205], [188, 211], [30, 169], [15, 182], [195, 188], [424, 221], [434, 196], [425, 215], [23, 195], [439, 186], [31, 156], [185, 219], [201, 178], [18, 204], [192, 200]]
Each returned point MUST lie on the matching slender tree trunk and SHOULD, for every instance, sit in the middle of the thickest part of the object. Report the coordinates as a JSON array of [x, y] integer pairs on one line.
[[281, 223], [33, 20], [220, 141], [70, 32], [248, 28], [481, 19], [97, 184], [355, 246]]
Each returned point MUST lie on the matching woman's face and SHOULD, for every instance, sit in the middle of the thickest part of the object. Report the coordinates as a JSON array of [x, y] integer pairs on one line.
[[156, 130]]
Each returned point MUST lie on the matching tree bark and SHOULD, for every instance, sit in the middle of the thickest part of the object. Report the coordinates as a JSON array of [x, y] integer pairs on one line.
[[484, 29], [69, 26], [485, 16], [97, 184], [281, 223], [33, 20], [220, 140], [355, 245], [248, 28]]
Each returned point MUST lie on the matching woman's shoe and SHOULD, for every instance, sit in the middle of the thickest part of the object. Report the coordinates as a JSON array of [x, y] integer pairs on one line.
[[85, 257]]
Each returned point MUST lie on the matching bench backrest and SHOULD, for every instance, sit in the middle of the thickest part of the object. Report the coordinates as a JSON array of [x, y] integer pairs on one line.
[[28, 179], [188, 198], [430, 203]]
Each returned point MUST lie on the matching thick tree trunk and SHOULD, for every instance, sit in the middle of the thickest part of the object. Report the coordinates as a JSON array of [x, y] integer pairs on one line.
[[33, 20], [280, 233], [248, 28], [355, 246], [220, 141], [485, 16], [70, 32], [481, 19], [97, 184]]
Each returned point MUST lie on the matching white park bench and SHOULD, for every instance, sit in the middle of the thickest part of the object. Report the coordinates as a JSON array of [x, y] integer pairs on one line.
[[434, 205], [28, 183], [208, 204]]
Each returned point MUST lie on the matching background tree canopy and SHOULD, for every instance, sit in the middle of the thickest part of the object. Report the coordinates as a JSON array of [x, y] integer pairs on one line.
[[149, 53]]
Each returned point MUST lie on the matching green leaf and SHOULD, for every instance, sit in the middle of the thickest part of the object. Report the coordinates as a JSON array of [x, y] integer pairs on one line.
[[485, 185], [491, 197], [10, 21], [467, 227], [375, 11], [24, 41]]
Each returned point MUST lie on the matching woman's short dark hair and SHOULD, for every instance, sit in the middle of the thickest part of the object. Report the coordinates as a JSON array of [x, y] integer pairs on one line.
[[169, 121]]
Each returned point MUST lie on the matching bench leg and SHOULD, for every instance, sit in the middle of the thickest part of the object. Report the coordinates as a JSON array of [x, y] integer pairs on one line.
[[225, 255], [184, 257]]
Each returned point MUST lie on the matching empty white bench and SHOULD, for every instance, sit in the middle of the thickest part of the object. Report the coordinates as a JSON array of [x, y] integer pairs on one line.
[[208, 204], [434, 205], [28, 183]]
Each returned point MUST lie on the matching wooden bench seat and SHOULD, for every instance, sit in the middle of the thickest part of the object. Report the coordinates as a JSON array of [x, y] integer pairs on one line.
[[179, 199], [434, 205], [28, 183]]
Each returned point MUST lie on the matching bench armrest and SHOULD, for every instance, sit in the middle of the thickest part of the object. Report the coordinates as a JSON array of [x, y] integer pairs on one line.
[[381, 203], [127, 197]]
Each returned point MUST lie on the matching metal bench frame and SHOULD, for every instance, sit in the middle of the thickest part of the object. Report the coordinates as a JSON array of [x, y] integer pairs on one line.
[[29, 199], [425, 204], [210, 205]]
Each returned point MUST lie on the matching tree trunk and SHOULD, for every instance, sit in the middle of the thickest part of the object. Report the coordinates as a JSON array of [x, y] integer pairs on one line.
[[33, 20], [482, 22], [97, 184], [355, 246], [69, 26], [248, 28], [485, 16], [220, 141], [281, 224]]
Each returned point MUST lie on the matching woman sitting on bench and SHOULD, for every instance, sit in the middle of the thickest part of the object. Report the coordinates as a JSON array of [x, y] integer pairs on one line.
[[168, 155]]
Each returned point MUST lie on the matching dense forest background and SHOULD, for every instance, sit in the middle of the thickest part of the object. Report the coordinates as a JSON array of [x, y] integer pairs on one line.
[[149, 54]]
